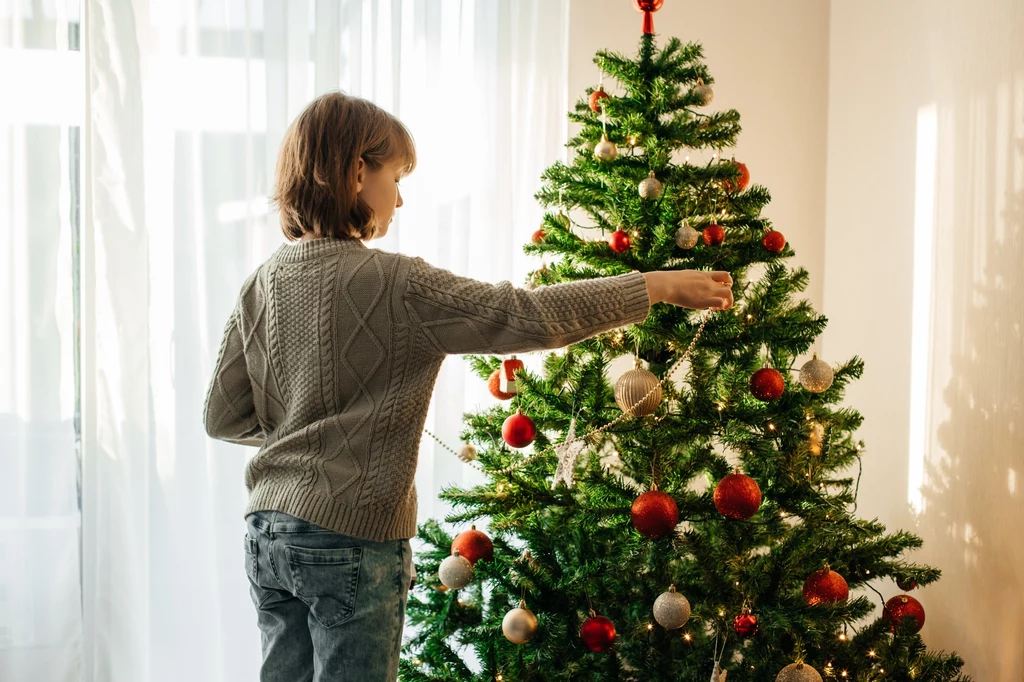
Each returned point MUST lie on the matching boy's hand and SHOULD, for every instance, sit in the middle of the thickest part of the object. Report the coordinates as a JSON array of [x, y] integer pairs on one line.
[[693, 289]]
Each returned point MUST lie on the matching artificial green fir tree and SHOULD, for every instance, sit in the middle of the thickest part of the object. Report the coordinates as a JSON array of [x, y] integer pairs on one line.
[[589, 577]]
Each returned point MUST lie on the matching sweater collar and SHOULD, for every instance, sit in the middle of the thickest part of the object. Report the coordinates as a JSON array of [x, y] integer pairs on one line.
[[317, 248]]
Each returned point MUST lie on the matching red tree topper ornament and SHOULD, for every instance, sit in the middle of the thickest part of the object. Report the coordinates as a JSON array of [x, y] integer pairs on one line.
[[619, 241], [518, 430], [595, 98], [474, 545], [507, 373], [494, 386], [597, 633], [714, 235], [774, 241], [745, 624], [902, 606], [655, 514], [737, 497], [648, 7], [825, 587], [767, 384]]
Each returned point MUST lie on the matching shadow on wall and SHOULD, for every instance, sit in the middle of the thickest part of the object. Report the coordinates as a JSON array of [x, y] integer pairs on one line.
[[971, 497]]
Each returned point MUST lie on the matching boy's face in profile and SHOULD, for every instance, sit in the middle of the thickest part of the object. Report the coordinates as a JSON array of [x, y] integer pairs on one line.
[[379, 189]]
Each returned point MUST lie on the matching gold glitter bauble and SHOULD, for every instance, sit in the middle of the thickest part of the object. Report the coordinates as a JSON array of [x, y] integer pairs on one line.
[[686, 236], [816, 375], [798, 672], [649, 187], [634, 385], [705, 92], [519, 625], [671, 609], [467, 453]]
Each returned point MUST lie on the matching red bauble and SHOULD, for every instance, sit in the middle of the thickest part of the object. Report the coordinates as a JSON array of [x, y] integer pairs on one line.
[[494, 386], [518, 430], [714, 235], [742, 181], [648, 6], [597, 633], [745, 624], [595, 99], [538, 237], [655, 514], [774, 241], [767, 384], [619, 241], [473, 545], [737, 497], [901, 606], [906, 585], [825, 587]]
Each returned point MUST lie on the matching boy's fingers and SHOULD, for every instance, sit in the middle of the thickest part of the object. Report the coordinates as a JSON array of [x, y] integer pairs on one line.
[[722, 277]]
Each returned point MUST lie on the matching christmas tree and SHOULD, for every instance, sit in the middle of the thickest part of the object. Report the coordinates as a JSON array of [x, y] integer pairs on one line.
[[698, 517]]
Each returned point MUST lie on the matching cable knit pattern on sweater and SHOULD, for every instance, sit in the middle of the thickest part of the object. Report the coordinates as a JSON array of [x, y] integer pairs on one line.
[[330, 357]]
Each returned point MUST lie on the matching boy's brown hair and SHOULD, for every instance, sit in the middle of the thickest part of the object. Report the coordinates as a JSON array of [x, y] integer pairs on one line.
[[317, 168]]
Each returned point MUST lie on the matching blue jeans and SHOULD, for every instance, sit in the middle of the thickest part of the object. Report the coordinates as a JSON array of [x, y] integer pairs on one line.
[[330, 607]]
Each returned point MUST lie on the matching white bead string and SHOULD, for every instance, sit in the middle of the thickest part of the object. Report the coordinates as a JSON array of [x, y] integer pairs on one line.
[[529, 458]]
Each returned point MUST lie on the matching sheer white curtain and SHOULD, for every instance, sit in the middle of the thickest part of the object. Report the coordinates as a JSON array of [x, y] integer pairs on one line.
[[40, 115], [186, 105]]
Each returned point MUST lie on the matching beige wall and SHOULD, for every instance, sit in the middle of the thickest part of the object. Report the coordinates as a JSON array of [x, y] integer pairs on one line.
[[924, 278], [770, 62]]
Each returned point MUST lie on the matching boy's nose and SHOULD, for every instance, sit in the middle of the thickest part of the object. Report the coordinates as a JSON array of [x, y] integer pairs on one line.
[[399, 203]]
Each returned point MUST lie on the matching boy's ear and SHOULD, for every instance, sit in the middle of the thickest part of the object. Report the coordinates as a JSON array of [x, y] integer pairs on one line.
[[360, 170]]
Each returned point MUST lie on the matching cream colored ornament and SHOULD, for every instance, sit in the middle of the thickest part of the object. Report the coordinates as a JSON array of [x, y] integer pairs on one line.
[[467, 453], [519, 625], [455, 572], [634, 385], [816, 375], [705, 92], [671, 609], [649, 187], [686, 236], [798, 672], [605, 150]]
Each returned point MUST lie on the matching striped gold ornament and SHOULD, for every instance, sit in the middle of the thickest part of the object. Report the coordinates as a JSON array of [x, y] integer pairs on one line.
[[631, 388]]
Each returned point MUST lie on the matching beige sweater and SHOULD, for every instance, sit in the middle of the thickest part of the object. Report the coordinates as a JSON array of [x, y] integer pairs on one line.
[[329, 360]]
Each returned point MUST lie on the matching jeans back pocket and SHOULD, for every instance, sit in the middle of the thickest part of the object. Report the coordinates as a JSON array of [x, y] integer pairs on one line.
[[326, 580], [251, 556]]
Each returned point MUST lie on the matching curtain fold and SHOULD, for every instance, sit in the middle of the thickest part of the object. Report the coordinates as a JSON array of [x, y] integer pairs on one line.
[[186, 104]]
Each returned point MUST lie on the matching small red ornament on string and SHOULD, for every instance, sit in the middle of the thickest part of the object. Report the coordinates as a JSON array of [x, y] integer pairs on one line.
[[538, 237], [509, 367], [774, 241], [648, 7], [902, 606], [825, 587], [767, 384], [474, 545], [619, 241], [714, 235], [745, 624], [654, 514], [595, 98], [597, 633], [494, 386], [906, 585], [518, 430], [737, 496]]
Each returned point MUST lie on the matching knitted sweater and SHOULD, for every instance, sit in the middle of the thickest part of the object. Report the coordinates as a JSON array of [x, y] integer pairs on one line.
[[330, 356]]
